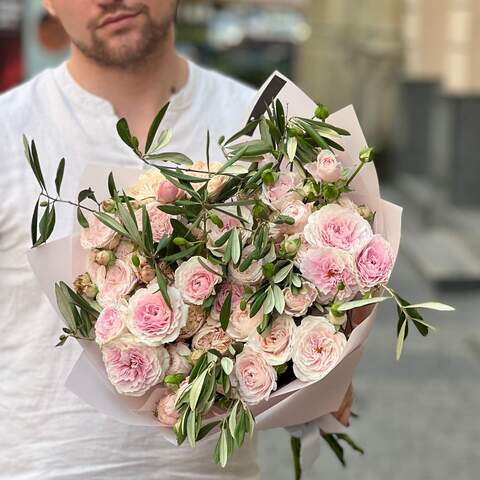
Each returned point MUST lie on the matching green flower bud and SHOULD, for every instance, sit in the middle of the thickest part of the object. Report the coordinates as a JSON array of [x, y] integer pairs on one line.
[[330, 192], [105, 257], [366, 154], [366, 213], [44, 203], [108, 205], [260, 211], [268, 270], [243, 305], [335, 317], [322, 111], [294, 131], [180, 241], [269, 177], [290, 246]]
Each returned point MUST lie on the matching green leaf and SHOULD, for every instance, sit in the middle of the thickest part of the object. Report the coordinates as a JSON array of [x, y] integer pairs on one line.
[[246, 130], [336, 447], [59, 175], [224, 238], [239, 434], [64, 306], [175, 379], [36, 166], [174, 157], [196, 390], [401, 339], [192, 429], [109, 221], [269, 304], [81, 218], [279, 300], [232, 420], [34, 224], [206, 429], [86, 193], [441, 307], [225, 311], [236, 247], [315, 135], [347, 439], [223, 454], [280, 115], [291, 147], [282, 273], [179, 255], [112, 188], [250, 421], [124, 132], [163, 286], [360, 303], [227, 365], [154, 126], [257, 304], [147, 235]]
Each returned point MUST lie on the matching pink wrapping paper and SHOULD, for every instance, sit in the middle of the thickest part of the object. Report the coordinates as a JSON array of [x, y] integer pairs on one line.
[[293, 404]]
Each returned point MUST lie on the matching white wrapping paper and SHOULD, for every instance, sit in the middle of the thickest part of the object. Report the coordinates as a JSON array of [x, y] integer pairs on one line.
[[293, 404]]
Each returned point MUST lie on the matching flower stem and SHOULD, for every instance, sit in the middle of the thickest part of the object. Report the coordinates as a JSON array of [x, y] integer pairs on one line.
[[295, 444], [355, 173]]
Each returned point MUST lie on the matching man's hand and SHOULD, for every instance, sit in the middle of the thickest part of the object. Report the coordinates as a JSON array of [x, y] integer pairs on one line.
[[345, 410]]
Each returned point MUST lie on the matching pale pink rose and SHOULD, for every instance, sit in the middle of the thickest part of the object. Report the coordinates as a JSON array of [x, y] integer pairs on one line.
[[179, 354], [284, 189], [196, 318], [254, 377], [276, 343], [160, 221], [339, 227], [252, 275], [297, 304], [133, 367], [110, 324], [115, 282], [93, 267], [237, 294], [195, 281], [296, 209], [211, 337], [229, 223], [165, 410], [241, 325], [216, 182], [266, 159], [146, 187], [328, 268], [317, 348], [125, 249], [98, 235], [150, 319], [374, 262], [302, 251], [167, 192], [326, 169]]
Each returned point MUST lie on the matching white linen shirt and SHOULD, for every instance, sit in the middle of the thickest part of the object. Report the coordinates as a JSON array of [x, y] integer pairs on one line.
[[46, 432]]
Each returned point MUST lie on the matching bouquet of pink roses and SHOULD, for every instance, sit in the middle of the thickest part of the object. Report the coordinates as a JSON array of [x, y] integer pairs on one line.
[[208, 294]]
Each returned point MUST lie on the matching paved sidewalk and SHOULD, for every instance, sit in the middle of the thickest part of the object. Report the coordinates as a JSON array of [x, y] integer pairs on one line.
[[419, 417]]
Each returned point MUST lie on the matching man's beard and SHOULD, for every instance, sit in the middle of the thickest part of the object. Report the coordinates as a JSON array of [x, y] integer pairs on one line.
[[128, 56]]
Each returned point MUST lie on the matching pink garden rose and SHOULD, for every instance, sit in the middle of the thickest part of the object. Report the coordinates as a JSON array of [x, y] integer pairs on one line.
[[160, 221], [276, 343], [98, 235], [241, 326], [297, 304], [211, 336], [194, 281], [167, 192], [326, 169], [145, 189], [237, 294], [124, 249], [216, 183], [150, 319], [317, 348], [374, 262], [165, 410], [253, 376], [296, 209], [339, 227], [133, 367], [328, 269], [110, 324], [284, 189], [115, 282], [179, 354]]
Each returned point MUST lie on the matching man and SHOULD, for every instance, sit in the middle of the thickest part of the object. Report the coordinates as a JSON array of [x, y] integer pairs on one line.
[[123, 63]]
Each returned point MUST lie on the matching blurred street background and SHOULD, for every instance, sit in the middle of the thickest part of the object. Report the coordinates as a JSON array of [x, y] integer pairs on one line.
[[411, 69]]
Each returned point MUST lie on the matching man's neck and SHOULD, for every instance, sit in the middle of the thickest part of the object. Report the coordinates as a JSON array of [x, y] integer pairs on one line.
[[138, 93]]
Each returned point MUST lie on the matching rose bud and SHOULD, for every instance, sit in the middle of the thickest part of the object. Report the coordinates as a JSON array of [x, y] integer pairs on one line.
[[147, 274], [269, 177], [84, 286], [366, 213], [322, 112], [167, 192], [108, 205], [366, 155], [309, 191], [290, 246], [335, 317], [105, 258]]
